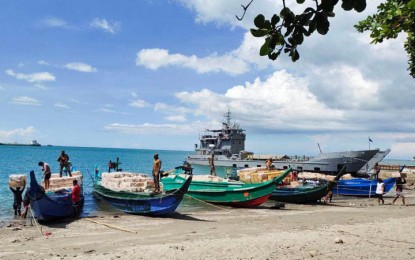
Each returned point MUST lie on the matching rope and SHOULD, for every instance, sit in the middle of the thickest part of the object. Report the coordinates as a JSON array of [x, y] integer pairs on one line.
[[34, 219], [207, 203], [111, 226]]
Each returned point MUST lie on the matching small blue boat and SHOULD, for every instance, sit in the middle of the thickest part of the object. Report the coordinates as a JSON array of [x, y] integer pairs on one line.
[[50, 206], [361, 187], [143, 203]]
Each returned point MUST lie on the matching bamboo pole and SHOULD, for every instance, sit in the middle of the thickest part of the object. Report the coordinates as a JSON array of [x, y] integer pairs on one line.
[[111, 226]]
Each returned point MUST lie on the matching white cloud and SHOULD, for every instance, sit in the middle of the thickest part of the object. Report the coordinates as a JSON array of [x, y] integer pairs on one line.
[[24, 100], [108, 109], [34, 77], [105, 25], [157, 58], [353, 90], [42, 62], [146, 128], [165, 108], [79, 66], [19, 132], [54, 22], [177, 118], [61, 105], [280, 102], [139, 103], [174, 113], [225, 12]]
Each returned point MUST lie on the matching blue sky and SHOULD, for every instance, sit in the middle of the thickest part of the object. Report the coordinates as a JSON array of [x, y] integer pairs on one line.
[[155, 74]]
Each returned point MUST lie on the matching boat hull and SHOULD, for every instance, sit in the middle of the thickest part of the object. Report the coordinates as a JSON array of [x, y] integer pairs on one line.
[[51, 206], [361, 187], [231, 193], [143, 203], [304, 194]]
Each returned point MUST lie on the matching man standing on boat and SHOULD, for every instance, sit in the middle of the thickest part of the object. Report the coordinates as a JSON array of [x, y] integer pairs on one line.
[[63, 160], [377, 171], [46, 173], [156, 172], [268, 164], [212, 165]]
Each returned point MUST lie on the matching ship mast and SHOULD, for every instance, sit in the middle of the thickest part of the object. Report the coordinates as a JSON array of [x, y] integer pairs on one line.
[[228, 119]]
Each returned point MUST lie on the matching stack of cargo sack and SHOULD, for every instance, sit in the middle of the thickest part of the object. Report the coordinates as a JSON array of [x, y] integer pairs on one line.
[[63, 183], [316, 176], [128, 181], [17, 180], [260, 174]]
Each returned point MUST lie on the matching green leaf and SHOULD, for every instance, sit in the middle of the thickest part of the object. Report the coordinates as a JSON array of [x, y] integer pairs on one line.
[[313, 25], [347, 5], [411, 5], [326, 5], [322, 23], [359, 5], [275, 19], [259, 32], [294, 55], [259, 21], [264, 48]]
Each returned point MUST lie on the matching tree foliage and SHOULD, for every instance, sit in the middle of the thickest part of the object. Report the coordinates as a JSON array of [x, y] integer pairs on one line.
[[286, 31], [392, 18]]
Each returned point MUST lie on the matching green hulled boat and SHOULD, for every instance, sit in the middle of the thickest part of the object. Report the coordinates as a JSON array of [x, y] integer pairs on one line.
[[218, 190], [305, 193]]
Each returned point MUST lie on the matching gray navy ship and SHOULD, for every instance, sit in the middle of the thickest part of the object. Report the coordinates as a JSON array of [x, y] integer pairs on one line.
[[228, 146], [32, 143]]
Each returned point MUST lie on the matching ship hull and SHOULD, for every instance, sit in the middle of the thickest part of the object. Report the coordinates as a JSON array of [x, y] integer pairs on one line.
[[328, 163]]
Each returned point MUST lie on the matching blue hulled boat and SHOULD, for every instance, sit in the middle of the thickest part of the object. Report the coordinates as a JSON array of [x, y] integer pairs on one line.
[[143, 203], [361, 187], [49, 206]]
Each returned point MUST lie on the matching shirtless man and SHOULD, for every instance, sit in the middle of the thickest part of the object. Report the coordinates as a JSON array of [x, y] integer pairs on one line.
[[268, 164], [156, 172], [212, 165]]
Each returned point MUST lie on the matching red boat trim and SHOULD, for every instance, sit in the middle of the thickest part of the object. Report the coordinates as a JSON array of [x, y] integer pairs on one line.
[[249, 203]]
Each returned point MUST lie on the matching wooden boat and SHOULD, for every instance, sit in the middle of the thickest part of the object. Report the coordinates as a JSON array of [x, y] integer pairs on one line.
[[51, 205], [143, 203], [361, 187], [306, 193], [218, 190]]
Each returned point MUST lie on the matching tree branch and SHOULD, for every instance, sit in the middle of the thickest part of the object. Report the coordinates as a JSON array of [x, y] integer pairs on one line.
[[245, 8]]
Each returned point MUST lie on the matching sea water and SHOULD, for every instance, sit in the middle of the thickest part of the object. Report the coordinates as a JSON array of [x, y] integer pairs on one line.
[[23, 159]]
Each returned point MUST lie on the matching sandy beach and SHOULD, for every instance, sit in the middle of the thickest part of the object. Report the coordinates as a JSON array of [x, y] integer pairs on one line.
[[348, 228]]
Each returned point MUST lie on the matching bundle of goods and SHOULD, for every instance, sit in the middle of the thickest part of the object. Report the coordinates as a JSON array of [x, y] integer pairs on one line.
[[316, 176], [399, 174], [261, 174], [210, 178], [128, 181], [63, 183], [17, 180]]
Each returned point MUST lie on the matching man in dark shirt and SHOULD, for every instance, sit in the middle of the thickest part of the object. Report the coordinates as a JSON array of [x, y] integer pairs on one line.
[[17, 203], [63, 160], [399, 189]]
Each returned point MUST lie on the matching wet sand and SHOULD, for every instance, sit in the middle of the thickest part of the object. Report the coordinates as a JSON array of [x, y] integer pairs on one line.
[[348, 228]]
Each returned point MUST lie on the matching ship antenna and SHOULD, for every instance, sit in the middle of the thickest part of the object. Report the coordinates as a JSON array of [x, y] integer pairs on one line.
[[228, 118]]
